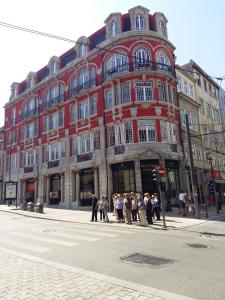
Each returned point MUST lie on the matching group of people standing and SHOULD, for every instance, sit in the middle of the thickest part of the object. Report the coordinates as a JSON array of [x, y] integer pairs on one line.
[[186, 204], [128, 207], [131, 207]]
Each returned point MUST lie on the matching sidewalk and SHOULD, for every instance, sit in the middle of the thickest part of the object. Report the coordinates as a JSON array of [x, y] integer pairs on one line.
[[173, 220]]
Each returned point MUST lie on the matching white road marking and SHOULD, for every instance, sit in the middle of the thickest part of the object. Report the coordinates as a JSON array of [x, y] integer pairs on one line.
[[88, 232], [26, 246], [45, 240], [74, 236]]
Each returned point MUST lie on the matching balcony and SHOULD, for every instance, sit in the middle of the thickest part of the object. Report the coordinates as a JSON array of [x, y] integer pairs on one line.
[[83, 87], [12, 121], [53, 102], [28, 169], [173, 148], [135, 67], [53, 163], [29, 113], [84, 157]]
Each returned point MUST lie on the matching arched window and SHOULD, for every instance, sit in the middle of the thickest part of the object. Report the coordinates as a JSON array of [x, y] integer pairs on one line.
[[30, 108], [116, 64], [139, 22], [84, 80], [82, 49], [54, 95], [162, 29], [113, 29], [163, 62], [141, 58]]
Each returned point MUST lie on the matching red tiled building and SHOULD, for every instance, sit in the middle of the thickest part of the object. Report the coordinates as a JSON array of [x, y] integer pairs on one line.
[[98, 118]]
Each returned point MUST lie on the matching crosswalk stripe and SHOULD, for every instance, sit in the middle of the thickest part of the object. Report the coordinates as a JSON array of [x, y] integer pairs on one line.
[[46, 240], [74, 236], [33, 248], [88, 232]]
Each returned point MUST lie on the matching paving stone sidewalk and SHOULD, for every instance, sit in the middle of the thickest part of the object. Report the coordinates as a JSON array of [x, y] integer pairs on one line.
[[173, 220], [23, 277]]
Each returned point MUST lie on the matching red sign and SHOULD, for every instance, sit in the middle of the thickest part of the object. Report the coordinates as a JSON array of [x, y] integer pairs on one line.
[[161, 171]]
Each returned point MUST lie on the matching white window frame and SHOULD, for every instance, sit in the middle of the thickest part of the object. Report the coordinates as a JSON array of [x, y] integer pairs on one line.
[[144, 91], [84, 109], [139, 22], [149, 127]]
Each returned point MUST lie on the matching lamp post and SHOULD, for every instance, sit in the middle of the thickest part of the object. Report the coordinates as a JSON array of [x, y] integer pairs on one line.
[[209, 157]]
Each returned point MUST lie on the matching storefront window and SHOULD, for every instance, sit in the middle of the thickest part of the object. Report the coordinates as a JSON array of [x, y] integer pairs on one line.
[[123, 177], [86, 186]]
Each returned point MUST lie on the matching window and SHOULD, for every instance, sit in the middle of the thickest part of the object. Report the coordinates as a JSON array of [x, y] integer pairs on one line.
[[23, 133], [144, 91], [83, 49], [186, 87], [29, 131], [198, 80], [111, 136], [53, 121], [45, 124], [29, 158], [54, 95], [162, 29], [13, 161], [113, 29], [85, 145], [162, 91], [180, 83], [53, 67], [191, 91], [54, 151], [147, 131], [139, 22], [86, 79], [96, 140], [36, 127], [162, 60], [125, 93], [74, 113], [61, 118], [75, 146], [84, 109], [128, 132], [108, 99], [116, 64], [182, 115], [93, 105], [141, 58], [73, 87]]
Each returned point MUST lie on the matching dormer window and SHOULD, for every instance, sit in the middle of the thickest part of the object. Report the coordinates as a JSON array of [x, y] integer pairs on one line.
[[53, 65], [139, 22], [83, 49], [30, 80], [162, 29], [113, 29]]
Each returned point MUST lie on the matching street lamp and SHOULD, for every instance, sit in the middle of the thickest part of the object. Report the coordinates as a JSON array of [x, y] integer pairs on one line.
[[210, 158]]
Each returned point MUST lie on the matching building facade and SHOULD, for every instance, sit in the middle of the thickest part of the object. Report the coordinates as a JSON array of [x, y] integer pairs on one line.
[[99, 118]]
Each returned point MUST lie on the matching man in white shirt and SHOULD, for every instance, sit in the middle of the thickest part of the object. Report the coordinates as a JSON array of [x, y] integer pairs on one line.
[[182, 199]]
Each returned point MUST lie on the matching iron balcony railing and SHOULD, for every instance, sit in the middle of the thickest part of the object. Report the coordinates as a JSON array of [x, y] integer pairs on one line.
[[28, 169], [83, 87], [84, 157], [53, 163], [53, 101], [135, 67], [29, 113]]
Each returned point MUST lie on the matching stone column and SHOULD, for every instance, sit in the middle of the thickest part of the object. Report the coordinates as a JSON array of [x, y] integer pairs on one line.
[[137, 170], [47, 189], [78, 188], [62, 188], [35, 190], [96, 182]]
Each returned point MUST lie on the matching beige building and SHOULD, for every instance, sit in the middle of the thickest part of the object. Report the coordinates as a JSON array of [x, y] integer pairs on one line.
[[206, 92]]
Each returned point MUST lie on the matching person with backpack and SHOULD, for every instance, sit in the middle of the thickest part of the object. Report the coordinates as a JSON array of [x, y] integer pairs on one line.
[[149, 208]]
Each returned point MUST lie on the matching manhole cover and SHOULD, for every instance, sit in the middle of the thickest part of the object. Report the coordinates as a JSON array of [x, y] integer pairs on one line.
[[146, 259], [199, 246], [213, 234]]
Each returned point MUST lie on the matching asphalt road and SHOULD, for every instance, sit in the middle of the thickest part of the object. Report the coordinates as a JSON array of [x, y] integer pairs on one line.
[[190, 262]]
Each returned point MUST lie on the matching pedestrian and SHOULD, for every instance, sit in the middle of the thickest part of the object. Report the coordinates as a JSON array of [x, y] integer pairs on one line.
[[94, 208], [128, 206], [156, 206], [149, 207], [100, 206], [142, 211], [105, 208], [114, 198], [134, 208], [119, 207], [182, 197]]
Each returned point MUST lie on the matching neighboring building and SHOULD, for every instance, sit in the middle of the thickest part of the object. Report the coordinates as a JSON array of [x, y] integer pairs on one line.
[[98, 118], [189, 106], [2, 131], [207, 95], [222, 105]]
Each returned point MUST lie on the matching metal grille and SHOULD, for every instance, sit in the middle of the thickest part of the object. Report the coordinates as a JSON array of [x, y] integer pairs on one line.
[[146, 259]]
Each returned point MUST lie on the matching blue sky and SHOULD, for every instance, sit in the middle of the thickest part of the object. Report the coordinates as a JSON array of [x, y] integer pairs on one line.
[[196, 28]]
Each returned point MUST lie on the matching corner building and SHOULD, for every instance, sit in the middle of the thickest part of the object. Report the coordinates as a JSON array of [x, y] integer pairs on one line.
[[98, 118]]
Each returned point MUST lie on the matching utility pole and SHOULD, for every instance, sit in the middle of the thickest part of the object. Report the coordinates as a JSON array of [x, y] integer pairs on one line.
[[197, 212]]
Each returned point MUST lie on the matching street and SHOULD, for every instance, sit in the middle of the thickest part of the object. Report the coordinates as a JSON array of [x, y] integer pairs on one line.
[[187, 262]]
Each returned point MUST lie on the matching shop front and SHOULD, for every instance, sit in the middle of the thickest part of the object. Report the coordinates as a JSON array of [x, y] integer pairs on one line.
[[30, 190], [123, 177], [55, 189], [149, 185], [86, 186]]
